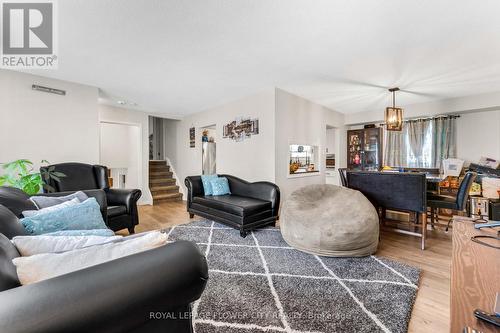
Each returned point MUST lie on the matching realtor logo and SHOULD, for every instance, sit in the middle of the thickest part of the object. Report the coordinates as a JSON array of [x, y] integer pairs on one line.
[[28, 34]]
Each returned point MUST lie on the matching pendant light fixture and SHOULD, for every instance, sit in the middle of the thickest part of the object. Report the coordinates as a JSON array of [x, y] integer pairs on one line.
[[394, 115]]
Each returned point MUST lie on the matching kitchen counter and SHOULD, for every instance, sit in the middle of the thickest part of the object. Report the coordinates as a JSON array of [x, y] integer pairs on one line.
[[299, 174]]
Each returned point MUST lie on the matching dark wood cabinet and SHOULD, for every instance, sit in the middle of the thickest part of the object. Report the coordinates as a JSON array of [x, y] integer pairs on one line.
[[364, 149]]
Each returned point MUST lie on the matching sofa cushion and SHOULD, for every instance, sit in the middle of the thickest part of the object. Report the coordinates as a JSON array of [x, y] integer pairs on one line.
[[83, 216], [48, 265], [15, 200], [31, 245], [90, 232], [9, 224], [44, 202], [72, 202], [8, 275], [116, 210], [234, 204]]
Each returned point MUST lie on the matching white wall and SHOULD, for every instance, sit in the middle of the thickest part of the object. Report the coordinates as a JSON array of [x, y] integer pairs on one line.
[[251, 159], [478, 134], [330, 147], [118, 115], [120, 148], [299, 121], [37, 125], [170, 140]]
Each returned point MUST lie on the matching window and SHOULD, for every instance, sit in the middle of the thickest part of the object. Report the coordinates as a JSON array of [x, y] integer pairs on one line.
[[422, 143], [303, 159], [419, 156]]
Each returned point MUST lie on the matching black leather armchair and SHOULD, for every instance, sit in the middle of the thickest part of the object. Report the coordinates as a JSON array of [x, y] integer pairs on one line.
[[249, 206], [121, 203], [146, 292]]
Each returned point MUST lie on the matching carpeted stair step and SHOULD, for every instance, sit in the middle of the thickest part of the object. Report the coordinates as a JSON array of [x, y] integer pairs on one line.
[[159, 168], [155, 190], [167, 197], [157, 162], [161, 182], [160, 174]]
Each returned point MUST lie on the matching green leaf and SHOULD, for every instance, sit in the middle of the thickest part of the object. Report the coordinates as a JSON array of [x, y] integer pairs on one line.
[[20, 174], [31, 188]]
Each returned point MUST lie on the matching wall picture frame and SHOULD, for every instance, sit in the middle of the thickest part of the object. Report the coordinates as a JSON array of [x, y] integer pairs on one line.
[[241, 129], [192, 137]]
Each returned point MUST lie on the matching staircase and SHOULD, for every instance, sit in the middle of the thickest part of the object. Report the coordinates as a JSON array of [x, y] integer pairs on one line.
[[162, 184]]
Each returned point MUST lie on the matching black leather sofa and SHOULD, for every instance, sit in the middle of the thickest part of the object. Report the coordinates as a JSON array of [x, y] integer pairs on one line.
[[146, 292], [121, 203], [249, 206]]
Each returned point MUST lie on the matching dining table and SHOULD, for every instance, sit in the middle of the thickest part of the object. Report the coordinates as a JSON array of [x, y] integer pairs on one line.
[[435, 178]]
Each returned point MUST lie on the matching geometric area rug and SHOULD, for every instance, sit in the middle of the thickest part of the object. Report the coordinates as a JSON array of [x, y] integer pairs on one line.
[[261, 284]]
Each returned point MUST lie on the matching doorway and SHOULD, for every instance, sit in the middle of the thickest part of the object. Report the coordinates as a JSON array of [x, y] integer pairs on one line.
[[331, 155], [156, 139], [120, 151]]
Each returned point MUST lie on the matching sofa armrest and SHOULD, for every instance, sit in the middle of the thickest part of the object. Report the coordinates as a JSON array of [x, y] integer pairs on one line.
[[259, 190], [194, 187], [116, 296], [123, 197], [99, 195]]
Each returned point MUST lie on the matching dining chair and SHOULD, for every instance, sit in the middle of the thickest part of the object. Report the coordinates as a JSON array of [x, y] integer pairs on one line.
[[457, 203], [343, 176]]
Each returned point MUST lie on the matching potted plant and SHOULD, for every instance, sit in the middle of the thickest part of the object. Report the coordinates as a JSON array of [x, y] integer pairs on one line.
[[19, 174]]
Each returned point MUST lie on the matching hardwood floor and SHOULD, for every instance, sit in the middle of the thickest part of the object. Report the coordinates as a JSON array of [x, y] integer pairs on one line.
[[431, 312]]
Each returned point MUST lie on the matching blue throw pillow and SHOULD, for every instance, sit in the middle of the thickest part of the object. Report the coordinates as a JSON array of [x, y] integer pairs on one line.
[[93, 232], [220, 186], [207, 186], [83, 216]]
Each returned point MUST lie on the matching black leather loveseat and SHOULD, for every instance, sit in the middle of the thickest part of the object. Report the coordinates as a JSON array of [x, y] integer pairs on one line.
[[121, 203], [249, 206], [146, 292]]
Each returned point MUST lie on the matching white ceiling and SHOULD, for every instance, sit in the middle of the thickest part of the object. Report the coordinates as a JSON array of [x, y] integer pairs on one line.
[[184, 56]]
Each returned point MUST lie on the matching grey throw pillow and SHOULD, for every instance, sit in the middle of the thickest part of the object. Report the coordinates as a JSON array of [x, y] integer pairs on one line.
[[44, 202]]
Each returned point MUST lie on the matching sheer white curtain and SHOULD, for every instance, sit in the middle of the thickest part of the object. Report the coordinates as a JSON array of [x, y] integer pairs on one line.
[[394, 148], [419, 142], [443, 140], [422, 143]]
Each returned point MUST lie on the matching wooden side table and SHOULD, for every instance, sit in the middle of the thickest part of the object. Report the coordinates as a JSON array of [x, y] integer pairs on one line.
[[475, 277]]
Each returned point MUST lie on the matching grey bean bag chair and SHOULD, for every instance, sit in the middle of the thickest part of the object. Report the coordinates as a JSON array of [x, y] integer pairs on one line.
[[330, 220]]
